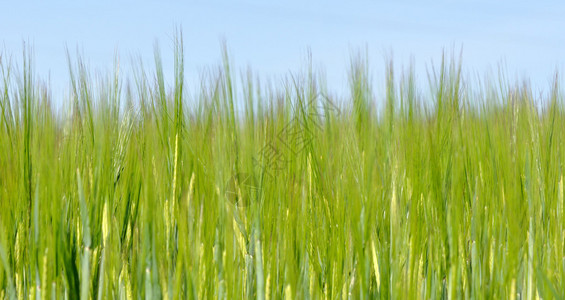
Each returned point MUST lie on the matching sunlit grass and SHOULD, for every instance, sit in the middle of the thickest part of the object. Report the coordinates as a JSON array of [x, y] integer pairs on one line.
[[280, 191]]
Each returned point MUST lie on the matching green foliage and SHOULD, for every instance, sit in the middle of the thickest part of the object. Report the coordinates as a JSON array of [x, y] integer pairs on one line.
[[283, 191]]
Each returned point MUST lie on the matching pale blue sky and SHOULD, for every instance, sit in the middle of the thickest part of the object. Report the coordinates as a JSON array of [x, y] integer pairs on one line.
[[273, 37]]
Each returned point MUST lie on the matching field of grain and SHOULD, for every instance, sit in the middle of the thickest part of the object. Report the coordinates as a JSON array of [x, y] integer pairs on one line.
[[271, 191]]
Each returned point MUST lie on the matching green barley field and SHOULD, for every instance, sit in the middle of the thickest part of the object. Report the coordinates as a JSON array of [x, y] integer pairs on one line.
[[246, 188]]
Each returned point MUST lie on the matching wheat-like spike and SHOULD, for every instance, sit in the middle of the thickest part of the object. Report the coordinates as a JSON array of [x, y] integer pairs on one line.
[[175, 166], [105, 223], [44, 275], [268, 287], [376, 264]]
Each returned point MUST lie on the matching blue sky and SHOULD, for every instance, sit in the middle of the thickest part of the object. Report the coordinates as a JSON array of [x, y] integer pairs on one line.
[[273, 37]]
